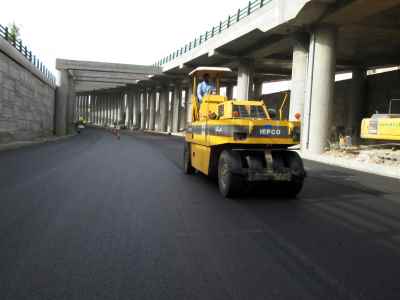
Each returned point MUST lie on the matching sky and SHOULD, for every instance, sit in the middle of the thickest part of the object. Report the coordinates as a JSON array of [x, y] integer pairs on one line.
[[134, 32]]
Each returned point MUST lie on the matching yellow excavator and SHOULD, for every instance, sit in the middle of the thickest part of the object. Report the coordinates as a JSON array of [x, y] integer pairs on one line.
[[383, 127], [239, 141]]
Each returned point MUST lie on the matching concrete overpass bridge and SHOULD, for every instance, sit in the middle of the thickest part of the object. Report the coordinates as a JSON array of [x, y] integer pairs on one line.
[[307, 41], [95, 217]]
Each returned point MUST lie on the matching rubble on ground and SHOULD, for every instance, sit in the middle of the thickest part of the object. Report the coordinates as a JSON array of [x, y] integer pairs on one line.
[[388, 156]]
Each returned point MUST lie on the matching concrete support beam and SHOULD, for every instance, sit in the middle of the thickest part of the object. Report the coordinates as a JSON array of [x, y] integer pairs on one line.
[[62, 93], [175, 108], [93, 107], [320, 90], [101, 102], [189, 105], [122, 110], [245, 80], [164, 102], [143, 108], [299, 76], [229, 91], [355, 106], [130, 100], [182, 110], [152, 113], [136, 109], [71, 112], [257, 93], [86, 107]]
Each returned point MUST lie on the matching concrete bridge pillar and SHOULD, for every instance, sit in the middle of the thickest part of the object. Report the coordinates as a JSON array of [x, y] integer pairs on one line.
[[71, 112], [86, 103], [78, 106], [122, 108], [93, 107], [62, 96], [182, 110], [113, 108], [245, 80], [130, 108], [164, 102], [229, 91], [257, 94], [152, 110], [106, 103], [143, 108], [175, 108], [299, 75], [157, 125], [101, 110], [136, 109], [148, 99], [189, 105], [110, 106], [355, 106], [320, 90]]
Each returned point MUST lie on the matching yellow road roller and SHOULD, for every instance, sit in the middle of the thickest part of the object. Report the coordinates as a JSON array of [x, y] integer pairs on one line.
[[240, 142]]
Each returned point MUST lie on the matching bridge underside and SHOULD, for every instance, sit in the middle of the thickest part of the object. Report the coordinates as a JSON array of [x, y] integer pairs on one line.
[[313, 41]]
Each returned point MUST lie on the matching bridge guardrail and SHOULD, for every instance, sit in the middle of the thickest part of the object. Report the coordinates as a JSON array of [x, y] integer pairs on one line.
[[252, 7], [23, 49]]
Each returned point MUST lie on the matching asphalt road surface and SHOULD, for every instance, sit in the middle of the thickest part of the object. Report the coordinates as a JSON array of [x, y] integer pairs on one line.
[[93, 217]]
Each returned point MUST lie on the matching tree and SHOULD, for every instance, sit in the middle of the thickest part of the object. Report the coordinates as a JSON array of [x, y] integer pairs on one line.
[[14, 31]]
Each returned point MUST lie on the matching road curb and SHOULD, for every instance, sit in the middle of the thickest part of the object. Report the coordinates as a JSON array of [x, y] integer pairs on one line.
[[23, 144]]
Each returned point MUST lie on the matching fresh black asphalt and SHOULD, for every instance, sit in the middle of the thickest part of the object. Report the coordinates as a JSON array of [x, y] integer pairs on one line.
[[93, 217]]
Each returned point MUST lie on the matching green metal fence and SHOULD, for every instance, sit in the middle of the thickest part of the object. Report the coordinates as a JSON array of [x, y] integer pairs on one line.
[[252, 7], [23, 49]]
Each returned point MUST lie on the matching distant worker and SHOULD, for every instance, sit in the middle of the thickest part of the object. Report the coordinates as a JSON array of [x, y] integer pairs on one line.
[[204, 88]]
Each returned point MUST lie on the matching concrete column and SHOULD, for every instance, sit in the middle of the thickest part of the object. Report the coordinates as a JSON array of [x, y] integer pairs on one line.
[[299, 75], [130, 108], [320, 90], [81, 107], [175, 107], [77, 107], [245, 80], [96, 109], [143, 110], [87, 107], [62, 104], [148, 109], [182, 110], [257, 94], [101, 102], [71, 112], [229, 91], [152, 113], [189, 105], [81, 99], [93, 107], [355, 106], [170, 110], [108, 115], [122, 112], [164, 99], [136, 109]]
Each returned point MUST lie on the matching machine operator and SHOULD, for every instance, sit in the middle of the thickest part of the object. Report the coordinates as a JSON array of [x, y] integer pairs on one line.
[[204, 88]]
